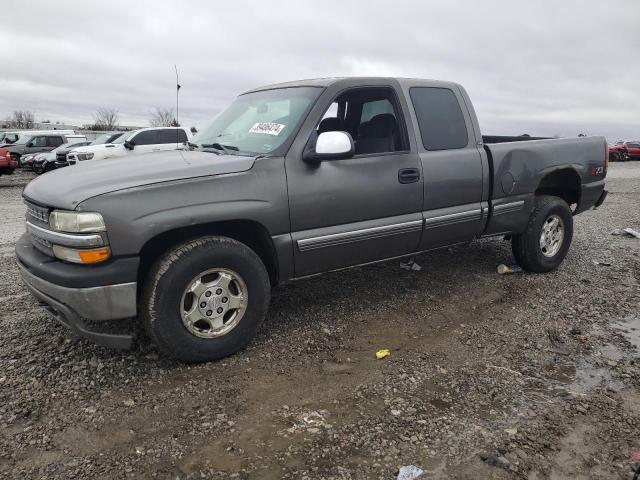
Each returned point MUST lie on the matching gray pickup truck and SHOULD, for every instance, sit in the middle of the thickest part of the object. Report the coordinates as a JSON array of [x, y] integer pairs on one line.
[[291, 180]]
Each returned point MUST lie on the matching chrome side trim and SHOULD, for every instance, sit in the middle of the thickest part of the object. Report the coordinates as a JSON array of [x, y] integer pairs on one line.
[[64, 239], [110, 302], [510, 207], [334, 239], [452, 218]]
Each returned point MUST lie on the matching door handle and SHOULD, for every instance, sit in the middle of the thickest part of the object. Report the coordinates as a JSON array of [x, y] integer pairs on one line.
[[408, 175]]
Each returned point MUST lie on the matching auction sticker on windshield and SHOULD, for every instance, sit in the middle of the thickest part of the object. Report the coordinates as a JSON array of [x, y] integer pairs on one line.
[[267, 128]]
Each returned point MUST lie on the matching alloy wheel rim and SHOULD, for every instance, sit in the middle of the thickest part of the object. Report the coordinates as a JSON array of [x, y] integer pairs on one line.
[[213, 303], [551, 236]]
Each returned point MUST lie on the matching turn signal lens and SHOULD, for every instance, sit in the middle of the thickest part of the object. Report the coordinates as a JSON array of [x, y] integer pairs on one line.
[[94, 255]]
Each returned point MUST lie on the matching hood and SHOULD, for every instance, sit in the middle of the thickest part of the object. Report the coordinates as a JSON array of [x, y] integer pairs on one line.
[[67, 187]]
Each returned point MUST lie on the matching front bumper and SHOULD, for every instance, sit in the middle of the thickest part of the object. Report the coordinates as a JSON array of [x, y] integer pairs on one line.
[[109, 302], [75, 295], [69, 317]]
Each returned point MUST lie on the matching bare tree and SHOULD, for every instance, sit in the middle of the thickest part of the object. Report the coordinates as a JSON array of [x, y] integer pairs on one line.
[[22, 119], [105, 119], [163, 117]]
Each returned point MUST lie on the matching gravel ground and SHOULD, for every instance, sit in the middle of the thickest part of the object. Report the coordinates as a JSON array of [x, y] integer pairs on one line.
[[516, 376]]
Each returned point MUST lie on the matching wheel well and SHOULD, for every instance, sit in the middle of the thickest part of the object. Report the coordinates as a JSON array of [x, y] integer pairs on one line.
[[563, 183], [251, 233]]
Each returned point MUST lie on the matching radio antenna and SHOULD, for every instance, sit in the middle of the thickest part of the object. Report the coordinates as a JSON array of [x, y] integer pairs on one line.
[[177, 106]]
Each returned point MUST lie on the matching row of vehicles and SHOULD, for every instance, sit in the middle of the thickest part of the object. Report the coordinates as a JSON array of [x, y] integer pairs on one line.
[[45, 151], [623, 151]]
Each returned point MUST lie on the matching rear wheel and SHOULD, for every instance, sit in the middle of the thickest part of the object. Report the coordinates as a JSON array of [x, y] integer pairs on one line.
[[547, 238], [205, 299]]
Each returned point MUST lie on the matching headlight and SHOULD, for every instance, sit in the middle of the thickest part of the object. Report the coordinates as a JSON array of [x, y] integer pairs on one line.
[[84, 156], [76, 222]]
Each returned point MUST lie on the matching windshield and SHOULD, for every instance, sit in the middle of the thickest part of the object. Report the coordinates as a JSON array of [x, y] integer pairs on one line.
[[125, 136], [258, 122], [100, 139], [23, 139], [633, 145]]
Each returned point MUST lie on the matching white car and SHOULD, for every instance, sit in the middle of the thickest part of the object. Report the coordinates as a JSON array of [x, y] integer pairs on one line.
[[12, 136], [145, 140]]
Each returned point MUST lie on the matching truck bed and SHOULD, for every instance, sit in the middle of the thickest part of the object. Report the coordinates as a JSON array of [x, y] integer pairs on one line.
[[516, 167]]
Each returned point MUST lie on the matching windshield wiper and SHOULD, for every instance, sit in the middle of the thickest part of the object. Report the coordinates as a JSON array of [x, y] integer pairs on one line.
[[218, 146]]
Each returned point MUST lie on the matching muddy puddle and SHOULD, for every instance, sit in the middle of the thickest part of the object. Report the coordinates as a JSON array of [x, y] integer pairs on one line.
[[630, 329]]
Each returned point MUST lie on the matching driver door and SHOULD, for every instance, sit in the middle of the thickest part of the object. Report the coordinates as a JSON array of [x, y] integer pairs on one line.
[[361, 209], [145, 141], [36, 145]]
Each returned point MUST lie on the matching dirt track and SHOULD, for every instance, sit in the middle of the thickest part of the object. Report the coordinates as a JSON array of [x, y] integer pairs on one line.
[[518, 376]]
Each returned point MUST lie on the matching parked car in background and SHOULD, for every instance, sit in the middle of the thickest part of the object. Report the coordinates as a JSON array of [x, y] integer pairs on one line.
[[633, 150], [106, 138], [623, 151], [154, 139], [38, 143], [45, 162], [26, 161], [7, 163], [617, 152], [7, 138], [286, 183], [10, 137]]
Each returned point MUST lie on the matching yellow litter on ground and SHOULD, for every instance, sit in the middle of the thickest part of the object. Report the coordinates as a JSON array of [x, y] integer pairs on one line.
[[385, 352]]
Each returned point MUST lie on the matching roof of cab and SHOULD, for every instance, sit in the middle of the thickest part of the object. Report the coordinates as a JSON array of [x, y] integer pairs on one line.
[[351, 81]]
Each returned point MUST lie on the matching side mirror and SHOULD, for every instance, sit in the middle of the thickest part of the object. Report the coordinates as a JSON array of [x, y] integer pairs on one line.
[[29, 144], [329, 146], [129, 144]]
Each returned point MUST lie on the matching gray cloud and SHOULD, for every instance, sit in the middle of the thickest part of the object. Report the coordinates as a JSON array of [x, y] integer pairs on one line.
[[545, 67]]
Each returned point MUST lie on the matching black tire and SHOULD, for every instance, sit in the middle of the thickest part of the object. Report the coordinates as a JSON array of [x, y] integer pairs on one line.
[[526, 246], [172, 273]]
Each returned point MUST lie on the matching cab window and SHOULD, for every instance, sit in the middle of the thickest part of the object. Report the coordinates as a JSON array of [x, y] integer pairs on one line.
[[371, 116]]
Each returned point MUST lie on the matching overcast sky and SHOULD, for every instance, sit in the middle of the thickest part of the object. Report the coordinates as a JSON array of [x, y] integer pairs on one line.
[[540, 67]]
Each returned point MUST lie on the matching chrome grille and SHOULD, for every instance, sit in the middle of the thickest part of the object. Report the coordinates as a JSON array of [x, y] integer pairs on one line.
[[38, 214]]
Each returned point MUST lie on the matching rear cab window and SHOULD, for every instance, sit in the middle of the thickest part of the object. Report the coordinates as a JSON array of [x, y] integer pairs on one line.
[[54, 141], [173, 135], [440, 118]]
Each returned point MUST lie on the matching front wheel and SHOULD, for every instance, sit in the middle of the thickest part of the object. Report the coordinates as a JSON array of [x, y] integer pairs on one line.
[[547, 238], [205, 299]]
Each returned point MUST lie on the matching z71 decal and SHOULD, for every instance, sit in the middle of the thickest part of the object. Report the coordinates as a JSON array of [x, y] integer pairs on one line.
[[597, 171]]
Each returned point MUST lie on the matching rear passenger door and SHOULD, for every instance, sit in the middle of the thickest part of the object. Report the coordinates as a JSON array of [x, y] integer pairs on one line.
[[54, 142], [452, 166]]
